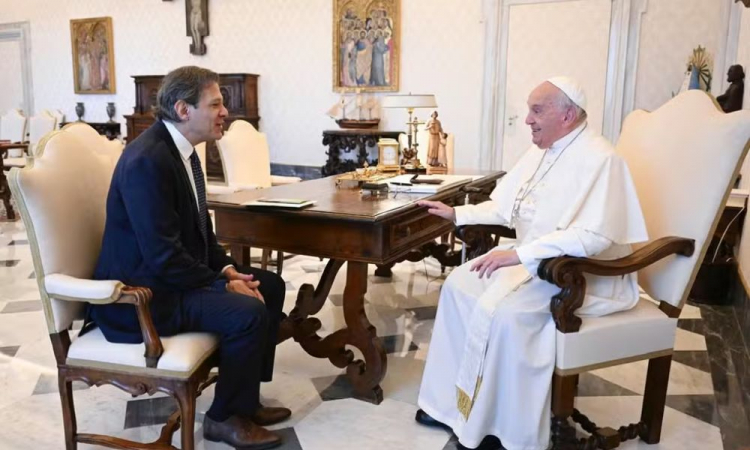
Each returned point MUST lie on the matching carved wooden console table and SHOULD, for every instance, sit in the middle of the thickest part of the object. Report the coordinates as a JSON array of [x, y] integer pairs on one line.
[[347, 141], [345, 227], [109, 129]]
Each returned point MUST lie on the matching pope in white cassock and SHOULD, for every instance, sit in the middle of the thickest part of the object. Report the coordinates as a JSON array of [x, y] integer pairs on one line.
[[492, 354]]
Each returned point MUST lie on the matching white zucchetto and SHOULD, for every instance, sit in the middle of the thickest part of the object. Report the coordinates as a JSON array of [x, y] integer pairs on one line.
[[572, 89]]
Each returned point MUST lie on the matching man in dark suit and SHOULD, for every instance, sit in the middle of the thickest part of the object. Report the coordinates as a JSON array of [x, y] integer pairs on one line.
[[158, 234]]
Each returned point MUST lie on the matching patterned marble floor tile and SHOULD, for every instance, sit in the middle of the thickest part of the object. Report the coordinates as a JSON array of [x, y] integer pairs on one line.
[[9, 262], [683, 380], [352, 424], [693, 325], [398, 344], [697, 360], [690, 312], [19, 242], [679, 431], [47, 384], [8, 352], [149, 411], [590, 385], [701, 407], [424, 312], [687, 340], [22, 306]]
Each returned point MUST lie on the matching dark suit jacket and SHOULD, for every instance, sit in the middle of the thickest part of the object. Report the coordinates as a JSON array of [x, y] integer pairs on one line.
[[152, 237]]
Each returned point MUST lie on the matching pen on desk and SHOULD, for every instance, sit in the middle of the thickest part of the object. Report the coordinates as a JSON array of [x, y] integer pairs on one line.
[[395, 183]]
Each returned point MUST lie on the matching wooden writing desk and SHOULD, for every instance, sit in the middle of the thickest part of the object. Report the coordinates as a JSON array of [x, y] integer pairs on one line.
[[344, 226]]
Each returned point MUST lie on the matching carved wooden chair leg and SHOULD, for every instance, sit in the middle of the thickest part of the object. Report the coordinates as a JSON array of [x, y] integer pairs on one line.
[[654, 398], [264, 259], [279, 262], [185, 395], [69, 412], [563, 395]]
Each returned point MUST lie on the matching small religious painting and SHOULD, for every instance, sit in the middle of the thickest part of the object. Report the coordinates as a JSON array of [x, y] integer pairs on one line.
[[196, 15], [93, 55], [366, 37]]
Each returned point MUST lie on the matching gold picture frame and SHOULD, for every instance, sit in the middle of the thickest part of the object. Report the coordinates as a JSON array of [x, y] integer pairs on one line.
[[93, 55], [369, 62]]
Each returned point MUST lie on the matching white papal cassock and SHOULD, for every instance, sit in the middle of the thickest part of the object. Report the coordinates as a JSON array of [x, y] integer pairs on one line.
[[492, 353]]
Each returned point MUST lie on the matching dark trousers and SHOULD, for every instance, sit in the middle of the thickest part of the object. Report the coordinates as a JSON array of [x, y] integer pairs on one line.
[[247, 329]]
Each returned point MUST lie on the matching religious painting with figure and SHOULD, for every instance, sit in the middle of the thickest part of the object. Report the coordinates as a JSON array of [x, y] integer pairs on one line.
[[366, 37], [93, 55]]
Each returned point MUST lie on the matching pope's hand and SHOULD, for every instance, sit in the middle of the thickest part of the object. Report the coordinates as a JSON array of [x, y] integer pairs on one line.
[[439, 209], [495, 260]]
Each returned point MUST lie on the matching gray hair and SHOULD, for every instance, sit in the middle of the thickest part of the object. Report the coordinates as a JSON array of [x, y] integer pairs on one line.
[[184, 83], [564, 103]]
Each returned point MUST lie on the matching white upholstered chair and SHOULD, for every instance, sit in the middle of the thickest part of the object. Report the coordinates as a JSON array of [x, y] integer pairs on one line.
[[683, 158], [61, 195], [57, 114], [212, 188], [246, 158], [13, 129], [39, 125], [110, 149]]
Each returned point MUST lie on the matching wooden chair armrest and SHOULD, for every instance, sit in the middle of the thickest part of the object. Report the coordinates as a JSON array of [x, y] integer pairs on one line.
[[141, 297], [567, 272]]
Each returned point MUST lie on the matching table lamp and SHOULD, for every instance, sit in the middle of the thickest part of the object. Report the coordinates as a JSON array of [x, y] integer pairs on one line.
[[411, 102]]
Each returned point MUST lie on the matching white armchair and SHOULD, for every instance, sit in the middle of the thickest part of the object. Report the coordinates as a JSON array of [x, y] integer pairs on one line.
[[62, 195], [246, 158], [100, 144], [683, 158], [39, 125], [13, 129]]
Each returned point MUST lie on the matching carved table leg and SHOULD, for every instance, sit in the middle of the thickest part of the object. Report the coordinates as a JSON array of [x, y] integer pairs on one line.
[[365, 375]]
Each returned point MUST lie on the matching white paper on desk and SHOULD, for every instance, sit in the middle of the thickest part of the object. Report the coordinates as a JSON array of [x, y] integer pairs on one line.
[[280, 204], [448, 181]]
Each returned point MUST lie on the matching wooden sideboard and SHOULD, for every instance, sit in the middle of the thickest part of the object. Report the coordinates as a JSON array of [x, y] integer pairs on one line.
[[109, 129], [240, 91]]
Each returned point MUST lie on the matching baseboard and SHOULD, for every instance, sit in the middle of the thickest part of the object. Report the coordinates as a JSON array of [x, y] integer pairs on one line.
[[291, 170]]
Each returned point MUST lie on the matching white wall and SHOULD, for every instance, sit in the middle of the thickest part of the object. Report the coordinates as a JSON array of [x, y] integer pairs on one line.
[[287, 42], [670, 30], [10, 76]]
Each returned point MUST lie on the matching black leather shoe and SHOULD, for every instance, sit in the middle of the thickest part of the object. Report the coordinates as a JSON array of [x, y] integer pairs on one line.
[[427, 420], [240, 433], [267, 415]]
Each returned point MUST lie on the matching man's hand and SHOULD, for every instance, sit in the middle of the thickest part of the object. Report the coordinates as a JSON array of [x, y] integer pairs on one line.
[[439, 209], [249, 288], [495, 260]]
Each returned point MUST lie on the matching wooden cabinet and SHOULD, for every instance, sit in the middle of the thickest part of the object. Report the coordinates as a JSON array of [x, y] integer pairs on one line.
[[240, 92]]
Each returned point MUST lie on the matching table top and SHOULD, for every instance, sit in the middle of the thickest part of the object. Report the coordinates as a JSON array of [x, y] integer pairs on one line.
[[361, 132], [344, 202]]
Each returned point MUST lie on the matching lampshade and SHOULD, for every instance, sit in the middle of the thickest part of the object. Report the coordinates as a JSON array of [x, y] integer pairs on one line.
[[410, 101]]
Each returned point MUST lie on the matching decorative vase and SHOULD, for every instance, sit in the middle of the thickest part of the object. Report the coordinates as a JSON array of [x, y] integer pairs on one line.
[[111, 111], [79, 111]]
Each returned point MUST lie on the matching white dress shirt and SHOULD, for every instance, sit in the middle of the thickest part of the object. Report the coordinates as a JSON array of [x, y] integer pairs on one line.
[[186, 149]]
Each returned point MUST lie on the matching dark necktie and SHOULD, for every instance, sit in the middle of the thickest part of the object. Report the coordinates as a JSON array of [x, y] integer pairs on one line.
[[200, 189]]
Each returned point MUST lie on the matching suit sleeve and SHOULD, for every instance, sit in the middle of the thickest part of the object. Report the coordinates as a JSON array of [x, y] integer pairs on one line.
[[148, 192]]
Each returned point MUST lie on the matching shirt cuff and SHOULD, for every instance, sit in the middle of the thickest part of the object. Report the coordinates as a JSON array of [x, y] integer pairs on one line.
[[526, 256], [224, 269]]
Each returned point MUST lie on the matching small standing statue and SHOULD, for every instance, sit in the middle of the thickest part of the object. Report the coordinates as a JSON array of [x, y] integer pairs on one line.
[[435, 129], [197, 26], [442, 150], [731, 100]]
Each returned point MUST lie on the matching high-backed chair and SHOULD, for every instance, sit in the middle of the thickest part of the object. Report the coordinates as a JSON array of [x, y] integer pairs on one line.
[[62, 195], [39, 125], [212, 188], [246, 161], [683, 158], [246, 158], [103, 146], [13, 129], [57, 114]]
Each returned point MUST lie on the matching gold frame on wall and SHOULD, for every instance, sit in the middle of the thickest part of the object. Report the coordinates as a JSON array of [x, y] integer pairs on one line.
[[346, 15], [91, 42]]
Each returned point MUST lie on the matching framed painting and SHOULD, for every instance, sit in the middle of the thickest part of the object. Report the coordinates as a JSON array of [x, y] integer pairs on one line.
[[366, 45], [93, 55]]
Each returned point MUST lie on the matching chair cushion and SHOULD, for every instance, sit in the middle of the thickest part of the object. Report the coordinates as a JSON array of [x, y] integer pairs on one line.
[[616, 338], [15, 162], [183, 353]]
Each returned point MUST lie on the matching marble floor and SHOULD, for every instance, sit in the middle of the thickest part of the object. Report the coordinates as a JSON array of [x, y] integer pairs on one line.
[[708, 399]]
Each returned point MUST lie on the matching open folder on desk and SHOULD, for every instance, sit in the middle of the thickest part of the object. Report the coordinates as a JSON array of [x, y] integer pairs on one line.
[[404, 183]]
